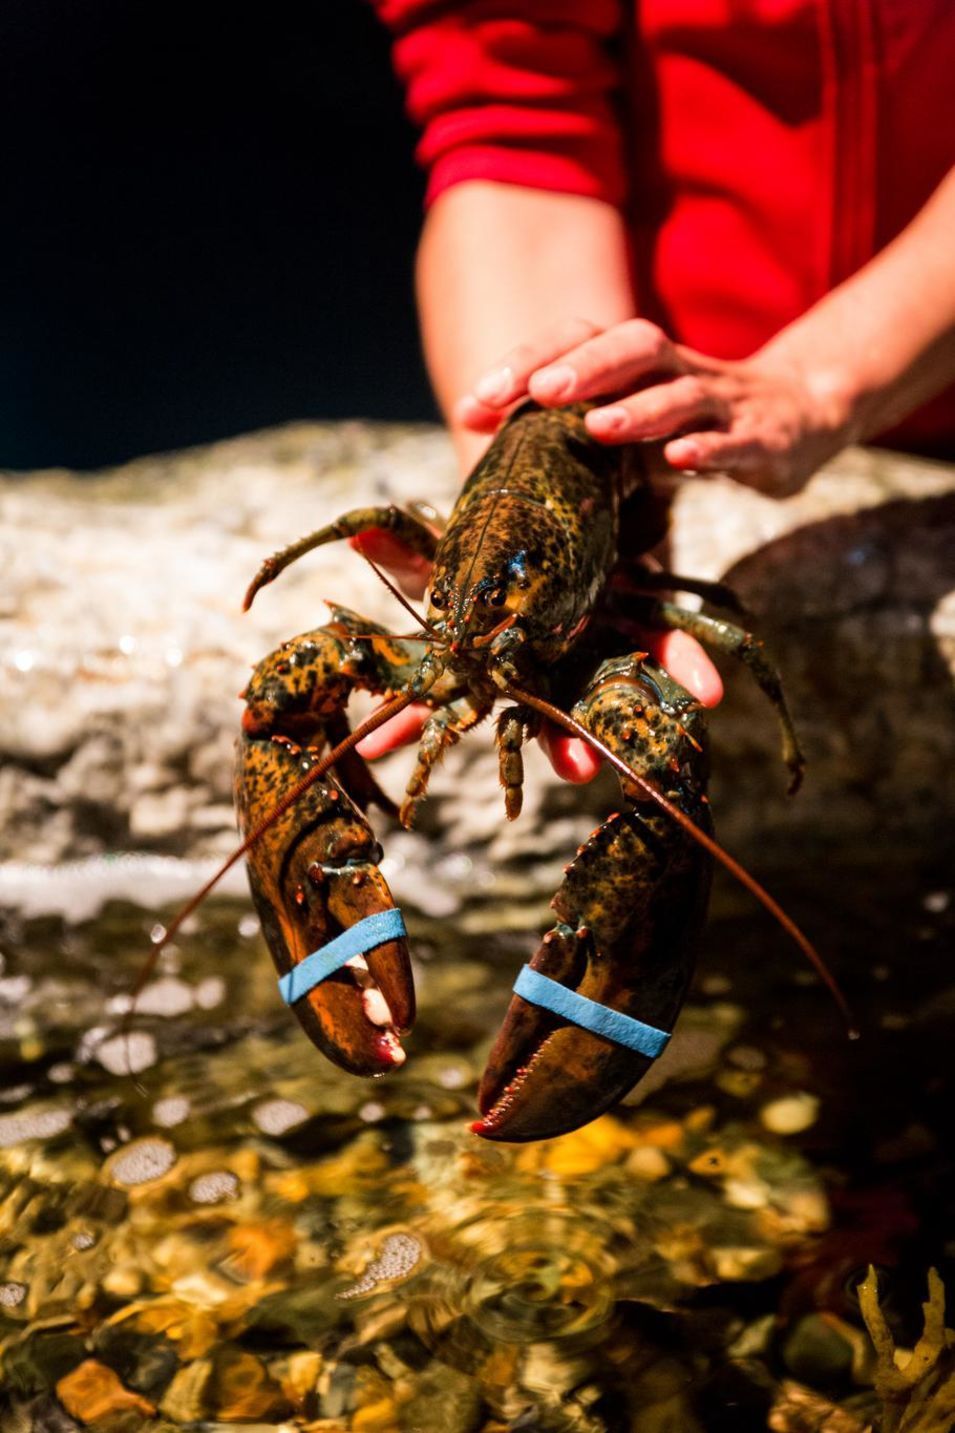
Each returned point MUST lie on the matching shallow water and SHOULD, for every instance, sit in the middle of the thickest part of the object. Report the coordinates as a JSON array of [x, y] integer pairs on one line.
[[238, 1233]]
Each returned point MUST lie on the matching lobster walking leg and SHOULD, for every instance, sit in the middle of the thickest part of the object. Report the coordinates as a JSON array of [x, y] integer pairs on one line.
[[314, 872], [442, 730], [513, 726], [629, 910], [750, 650]]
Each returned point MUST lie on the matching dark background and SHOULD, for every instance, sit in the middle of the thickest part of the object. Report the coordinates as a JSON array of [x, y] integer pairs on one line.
[[209, 223]]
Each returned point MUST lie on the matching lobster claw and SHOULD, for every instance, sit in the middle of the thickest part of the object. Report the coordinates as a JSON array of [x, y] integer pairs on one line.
[[629, 910], [314, 878]]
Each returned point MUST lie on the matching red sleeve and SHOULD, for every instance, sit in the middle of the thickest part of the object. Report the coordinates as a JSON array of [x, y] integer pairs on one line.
[[520, 93]]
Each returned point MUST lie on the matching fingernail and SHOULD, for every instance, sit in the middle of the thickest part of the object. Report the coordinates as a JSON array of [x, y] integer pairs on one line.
[[554, 382], [682, 453], [495, 387], [607, 420]]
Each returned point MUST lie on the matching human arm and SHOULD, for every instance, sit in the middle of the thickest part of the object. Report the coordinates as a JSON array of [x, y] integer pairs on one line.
[[857, 362], [498, 262]]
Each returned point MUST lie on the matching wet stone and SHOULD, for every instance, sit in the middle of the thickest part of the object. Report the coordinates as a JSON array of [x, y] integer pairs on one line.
[[241, 1390], [275, 1117], [31, 1363], [185, 1401], [337, 1390], [142, 1161], [817, 1352], [94, 1394], [214, 1188], [443, 1399]]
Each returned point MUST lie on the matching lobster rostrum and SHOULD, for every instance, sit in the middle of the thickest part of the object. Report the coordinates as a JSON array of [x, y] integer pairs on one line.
[[521, 607]]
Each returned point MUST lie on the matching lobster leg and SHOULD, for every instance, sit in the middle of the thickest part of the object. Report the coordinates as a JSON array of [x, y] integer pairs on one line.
[[513, 726], [646, 579], [751, 651], [628, 912], [442, 730], [409, 529], [314, 872]]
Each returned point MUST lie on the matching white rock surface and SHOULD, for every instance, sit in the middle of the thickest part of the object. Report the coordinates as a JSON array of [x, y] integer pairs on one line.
[[122, 645]]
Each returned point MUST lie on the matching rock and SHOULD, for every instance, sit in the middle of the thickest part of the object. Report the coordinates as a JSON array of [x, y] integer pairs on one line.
[[797, 1409], [647, 1163], [257, 1250], [581, 1152], [790, 1114], [141, 1162], [443, 1399], [851, 581], [93, 1394], [298, 1377], [241, 1390], [817, 1352], [41, 1357], [185, 1399]]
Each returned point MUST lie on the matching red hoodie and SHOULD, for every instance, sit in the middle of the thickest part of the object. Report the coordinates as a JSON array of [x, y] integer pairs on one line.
[[762, 150]]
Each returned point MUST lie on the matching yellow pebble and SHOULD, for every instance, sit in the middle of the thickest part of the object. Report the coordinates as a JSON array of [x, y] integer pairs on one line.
[[380, 1417], [647, 1163], [791, 1114], [581, 1152], [93, 1392], [666, 1135]]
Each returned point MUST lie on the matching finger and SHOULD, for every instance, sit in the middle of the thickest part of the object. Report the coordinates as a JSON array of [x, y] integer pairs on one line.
[[410, 570], [572, 759], [508, 379], [749, 460], [686, 661], [399, 731], [682, 656], [659, 411], [469, 413], [606, 363]]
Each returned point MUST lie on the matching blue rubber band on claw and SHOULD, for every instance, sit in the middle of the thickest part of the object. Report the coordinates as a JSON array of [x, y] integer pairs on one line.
[[359, 938], [599, 1019]]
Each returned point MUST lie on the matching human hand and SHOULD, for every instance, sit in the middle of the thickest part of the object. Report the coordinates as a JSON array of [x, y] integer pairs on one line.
[[571, 758], [768, 421]]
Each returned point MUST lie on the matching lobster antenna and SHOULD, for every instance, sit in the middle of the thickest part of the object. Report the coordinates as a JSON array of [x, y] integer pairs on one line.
[[570, 724], [395, 592], [316, 772]]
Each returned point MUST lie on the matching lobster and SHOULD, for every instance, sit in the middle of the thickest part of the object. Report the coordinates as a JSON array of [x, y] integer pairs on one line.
[[521, 607]]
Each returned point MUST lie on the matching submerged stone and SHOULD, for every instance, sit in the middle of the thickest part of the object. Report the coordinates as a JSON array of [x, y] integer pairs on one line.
[[93, 1393]]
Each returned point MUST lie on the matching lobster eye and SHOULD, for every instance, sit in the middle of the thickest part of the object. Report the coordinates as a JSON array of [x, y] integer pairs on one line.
[[438, 599], [497, 598]]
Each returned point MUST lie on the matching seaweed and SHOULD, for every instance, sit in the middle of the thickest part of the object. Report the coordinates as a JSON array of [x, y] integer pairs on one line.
[[917, 1388]]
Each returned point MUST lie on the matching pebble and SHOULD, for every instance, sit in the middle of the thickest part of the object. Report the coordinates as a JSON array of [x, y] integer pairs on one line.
[[790, 1114], [256, 1250], [242, 1390], [167, 997], [647, 1163], [274, 1117], [127, 1054], [184, 1401], [93, 1392], [817, 1351], [33, 1124], [141, 1161], [214, 1188], [170, 1111]]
